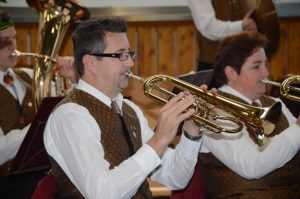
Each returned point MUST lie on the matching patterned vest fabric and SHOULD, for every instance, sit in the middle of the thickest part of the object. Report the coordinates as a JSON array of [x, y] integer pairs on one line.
[[115, 147], [226, 10], [281, 183], [9, 109]]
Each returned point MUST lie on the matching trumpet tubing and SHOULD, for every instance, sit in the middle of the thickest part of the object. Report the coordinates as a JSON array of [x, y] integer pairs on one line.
[[204, 115], [286, 87], [17, 53], [62, 85]]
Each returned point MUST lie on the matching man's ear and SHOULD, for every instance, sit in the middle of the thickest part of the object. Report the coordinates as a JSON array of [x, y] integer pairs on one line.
[[88, 63], [230, 73]]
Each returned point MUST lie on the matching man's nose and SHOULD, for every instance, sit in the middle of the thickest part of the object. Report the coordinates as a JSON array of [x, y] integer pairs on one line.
[[129, 61], [12, 44]]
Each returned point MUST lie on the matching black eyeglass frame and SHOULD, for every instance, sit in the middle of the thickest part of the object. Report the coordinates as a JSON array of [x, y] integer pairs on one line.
[[125, 55]]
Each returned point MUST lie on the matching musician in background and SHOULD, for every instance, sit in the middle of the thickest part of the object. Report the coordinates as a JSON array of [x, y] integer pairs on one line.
[[16, 99], [213, 19], [100, 144], [235, 166]]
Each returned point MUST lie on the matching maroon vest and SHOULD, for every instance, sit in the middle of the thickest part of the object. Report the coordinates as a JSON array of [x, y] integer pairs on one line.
[[9, 109], [283, 182], [115, 147]]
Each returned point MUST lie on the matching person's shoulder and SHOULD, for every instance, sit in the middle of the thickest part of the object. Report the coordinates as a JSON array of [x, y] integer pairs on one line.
[[28, 71]]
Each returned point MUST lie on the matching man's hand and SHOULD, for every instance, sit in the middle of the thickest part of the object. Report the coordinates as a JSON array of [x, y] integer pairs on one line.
[[175, 111], [248, 24], [65, 67]]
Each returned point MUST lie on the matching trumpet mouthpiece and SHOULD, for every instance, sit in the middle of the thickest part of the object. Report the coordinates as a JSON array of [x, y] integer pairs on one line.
[[16, 53], [129, 74]]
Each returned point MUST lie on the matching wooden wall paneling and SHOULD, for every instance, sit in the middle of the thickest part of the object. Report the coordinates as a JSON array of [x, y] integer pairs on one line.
[[23, 43], [132, 38], [147, 50], [167, 50], [279, 62], [186, 49], [34, 34], [294, 47]]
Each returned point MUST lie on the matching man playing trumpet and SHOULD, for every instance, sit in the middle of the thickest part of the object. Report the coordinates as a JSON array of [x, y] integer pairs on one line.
[[17, 110]]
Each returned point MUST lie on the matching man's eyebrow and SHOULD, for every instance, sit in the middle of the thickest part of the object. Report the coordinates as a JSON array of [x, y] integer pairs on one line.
[[123, 50]]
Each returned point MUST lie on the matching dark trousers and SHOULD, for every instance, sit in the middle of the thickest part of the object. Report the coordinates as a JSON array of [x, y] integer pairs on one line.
[[20, 186]]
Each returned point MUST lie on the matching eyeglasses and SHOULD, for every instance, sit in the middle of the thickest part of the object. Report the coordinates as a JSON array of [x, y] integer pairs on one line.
[[123, 56]]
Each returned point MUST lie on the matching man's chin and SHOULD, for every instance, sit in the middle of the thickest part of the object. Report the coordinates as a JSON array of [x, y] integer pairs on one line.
[[123, 84], [8, 66], [260, 94], [12, 64]]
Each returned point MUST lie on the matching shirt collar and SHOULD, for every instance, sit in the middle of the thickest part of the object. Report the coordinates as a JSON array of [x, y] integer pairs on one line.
[[82, 85], [2, 73], [229, 89]]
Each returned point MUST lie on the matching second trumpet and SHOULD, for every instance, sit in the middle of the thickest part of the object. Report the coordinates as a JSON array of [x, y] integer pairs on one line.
[[287, 89], [254, 117]]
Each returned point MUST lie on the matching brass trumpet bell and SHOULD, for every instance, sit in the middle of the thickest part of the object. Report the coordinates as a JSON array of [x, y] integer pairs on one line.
[[286, 89], [254, 117]]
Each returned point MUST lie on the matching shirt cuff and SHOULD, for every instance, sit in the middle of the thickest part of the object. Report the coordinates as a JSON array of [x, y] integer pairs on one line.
[[188, 147], [147, 158], [236, 27]]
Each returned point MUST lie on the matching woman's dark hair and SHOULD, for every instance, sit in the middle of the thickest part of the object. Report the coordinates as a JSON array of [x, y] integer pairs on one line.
[[233, 51], [90, 37]]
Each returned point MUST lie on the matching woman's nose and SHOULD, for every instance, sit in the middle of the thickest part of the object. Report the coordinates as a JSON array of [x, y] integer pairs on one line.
[[265, 72]]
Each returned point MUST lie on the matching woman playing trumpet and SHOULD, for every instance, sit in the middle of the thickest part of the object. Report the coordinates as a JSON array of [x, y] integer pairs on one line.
[[235, 167]]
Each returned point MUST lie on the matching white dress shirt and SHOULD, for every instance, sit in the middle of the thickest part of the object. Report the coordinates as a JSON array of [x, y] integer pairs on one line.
[[246, 158], [10, 143], [73, 138], [208, 25]]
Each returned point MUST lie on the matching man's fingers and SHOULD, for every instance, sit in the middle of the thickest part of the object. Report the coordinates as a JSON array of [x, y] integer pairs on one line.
[[249, 13]]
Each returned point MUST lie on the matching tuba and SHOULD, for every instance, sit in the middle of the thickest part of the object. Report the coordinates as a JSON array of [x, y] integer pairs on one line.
[[260, 120], [55, 17]]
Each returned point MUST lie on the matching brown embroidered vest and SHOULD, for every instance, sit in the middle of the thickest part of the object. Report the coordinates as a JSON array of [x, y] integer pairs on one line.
[[281, 183], [115, 147], [9, 117], [226, 10]]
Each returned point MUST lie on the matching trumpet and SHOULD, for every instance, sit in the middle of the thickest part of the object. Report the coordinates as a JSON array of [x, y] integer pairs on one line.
[[17, 53], [253, 117], [62, 86], [286, 87]]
